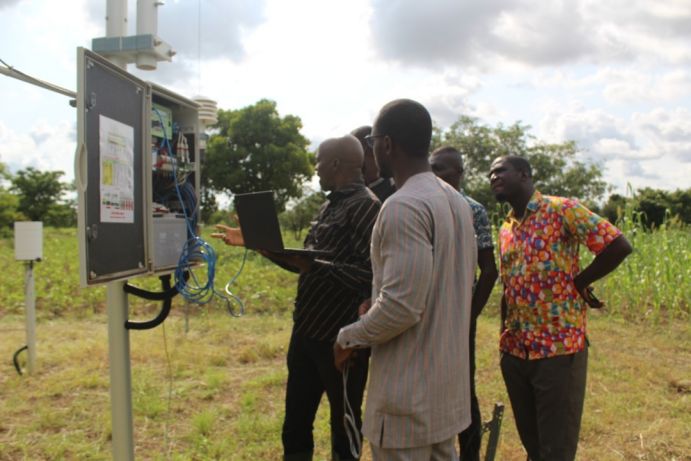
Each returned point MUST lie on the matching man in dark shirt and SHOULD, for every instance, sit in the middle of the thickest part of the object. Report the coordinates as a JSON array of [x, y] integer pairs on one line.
[[382, 186], [330, 290]]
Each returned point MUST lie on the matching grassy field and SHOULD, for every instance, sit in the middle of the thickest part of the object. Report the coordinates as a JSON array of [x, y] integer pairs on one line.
[[653, 284], [209, 386], [224, 399]]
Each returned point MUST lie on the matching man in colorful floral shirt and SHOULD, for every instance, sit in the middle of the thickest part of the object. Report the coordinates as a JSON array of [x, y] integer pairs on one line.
[[543, 339], [447, 164]]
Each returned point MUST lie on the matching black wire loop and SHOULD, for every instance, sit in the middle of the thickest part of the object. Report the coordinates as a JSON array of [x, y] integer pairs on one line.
[[166, 296]]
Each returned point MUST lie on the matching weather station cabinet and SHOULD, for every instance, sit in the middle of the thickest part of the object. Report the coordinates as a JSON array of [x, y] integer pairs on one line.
[[137, 172]]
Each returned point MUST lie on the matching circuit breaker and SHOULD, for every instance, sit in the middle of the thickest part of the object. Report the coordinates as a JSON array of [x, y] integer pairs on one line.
[[137, 173]]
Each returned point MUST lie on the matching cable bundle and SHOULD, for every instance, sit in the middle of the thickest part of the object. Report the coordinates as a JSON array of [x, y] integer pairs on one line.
[[196, 251]]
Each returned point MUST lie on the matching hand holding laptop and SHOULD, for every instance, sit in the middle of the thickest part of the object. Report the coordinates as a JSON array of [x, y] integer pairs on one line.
[[233, 236], [303, 263], [261, 230]]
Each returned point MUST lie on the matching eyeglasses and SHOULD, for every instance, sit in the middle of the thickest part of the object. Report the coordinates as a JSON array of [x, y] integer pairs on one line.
[[369, 139]]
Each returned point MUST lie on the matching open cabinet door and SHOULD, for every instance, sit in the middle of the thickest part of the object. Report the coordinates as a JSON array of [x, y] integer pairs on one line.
[[109, 171]]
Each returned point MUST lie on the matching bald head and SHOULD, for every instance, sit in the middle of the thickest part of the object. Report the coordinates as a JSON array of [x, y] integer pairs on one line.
[[339, 162], [347, 150]]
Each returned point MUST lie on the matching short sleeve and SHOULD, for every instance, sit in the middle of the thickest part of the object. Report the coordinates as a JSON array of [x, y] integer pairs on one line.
[[590, 229]]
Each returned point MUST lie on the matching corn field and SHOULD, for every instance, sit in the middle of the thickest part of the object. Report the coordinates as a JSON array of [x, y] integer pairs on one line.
[[655, 281]]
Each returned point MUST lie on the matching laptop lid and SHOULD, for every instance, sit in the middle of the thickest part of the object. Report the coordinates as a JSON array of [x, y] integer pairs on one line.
[[260, 227], [259, 221]]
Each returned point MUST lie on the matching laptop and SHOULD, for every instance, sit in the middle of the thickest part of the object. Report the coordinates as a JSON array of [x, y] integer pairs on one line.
[[260, 228]]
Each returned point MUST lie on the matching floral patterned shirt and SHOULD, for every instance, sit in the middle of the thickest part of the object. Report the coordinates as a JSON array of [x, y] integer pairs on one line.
[[546, 316]]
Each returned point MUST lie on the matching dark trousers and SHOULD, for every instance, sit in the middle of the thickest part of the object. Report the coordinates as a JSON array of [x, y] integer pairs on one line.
[[470, 438], [311, 372], [547, 400]]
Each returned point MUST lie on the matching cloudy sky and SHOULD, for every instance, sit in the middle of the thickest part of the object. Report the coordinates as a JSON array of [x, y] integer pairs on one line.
[[614, 76]]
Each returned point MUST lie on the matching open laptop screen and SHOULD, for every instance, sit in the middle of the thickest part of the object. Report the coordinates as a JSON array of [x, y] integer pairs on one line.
[[259, 221], [260, 228]]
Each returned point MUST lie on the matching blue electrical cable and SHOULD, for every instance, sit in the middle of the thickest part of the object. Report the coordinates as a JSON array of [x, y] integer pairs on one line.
[[197, 250]]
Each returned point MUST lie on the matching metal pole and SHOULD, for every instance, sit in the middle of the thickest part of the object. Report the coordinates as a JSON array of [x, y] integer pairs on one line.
[[120, 374], [10, 72], [116, 302], [116, 25], [30, 316]]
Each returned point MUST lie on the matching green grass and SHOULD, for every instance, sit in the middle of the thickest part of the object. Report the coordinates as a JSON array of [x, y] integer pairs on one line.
[[264, 287], [232, 409], [218, 393], [653, 284]]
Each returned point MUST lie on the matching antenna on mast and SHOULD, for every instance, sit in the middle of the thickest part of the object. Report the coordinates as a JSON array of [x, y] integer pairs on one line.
[[145, 49]]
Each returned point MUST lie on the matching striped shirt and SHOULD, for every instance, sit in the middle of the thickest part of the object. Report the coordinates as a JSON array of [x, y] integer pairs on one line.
[[329, 294], [423, 258]]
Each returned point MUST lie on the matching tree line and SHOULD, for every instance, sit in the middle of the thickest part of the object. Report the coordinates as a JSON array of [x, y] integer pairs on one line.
[[34, 195], [254, 148]]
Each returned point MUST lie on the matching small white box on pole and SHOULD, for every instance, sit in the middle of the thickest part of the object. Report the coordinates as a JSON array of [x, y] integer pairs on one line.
[[28, 240]]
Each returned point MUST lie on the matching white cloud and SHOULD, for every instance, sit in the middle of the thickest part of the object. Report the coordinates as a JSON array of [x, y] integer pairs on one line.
[[668, 131], [7, 3], [637, 150], [587, 127], [448, 96], [435, 31], [444, 32], [42, 39], [615, 76], [46, 147], [315, 67], [196, 30], [618, 148], [633, 86], [212, 28], [553, 33], [626, 174]]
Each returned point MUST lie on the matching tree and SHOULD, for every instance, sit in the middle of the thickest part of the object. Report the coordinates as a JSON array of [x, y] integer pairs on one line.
[[8, 211], [209, 206], [653, 206], [556, 170], [657, 206], [38, 192], [62, 214], [298, 218], [8, 204], [681, 204], [256, 150], [615, 207]]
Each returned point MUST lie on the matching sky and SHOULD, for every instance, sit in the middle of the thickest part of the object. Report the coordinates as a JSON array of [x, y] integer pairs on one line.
[[614, 76]]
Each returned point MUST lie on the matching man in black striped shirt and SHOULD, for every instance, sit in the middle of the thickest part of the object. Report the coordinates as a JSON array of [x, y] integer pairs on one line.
[[330, 290]]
